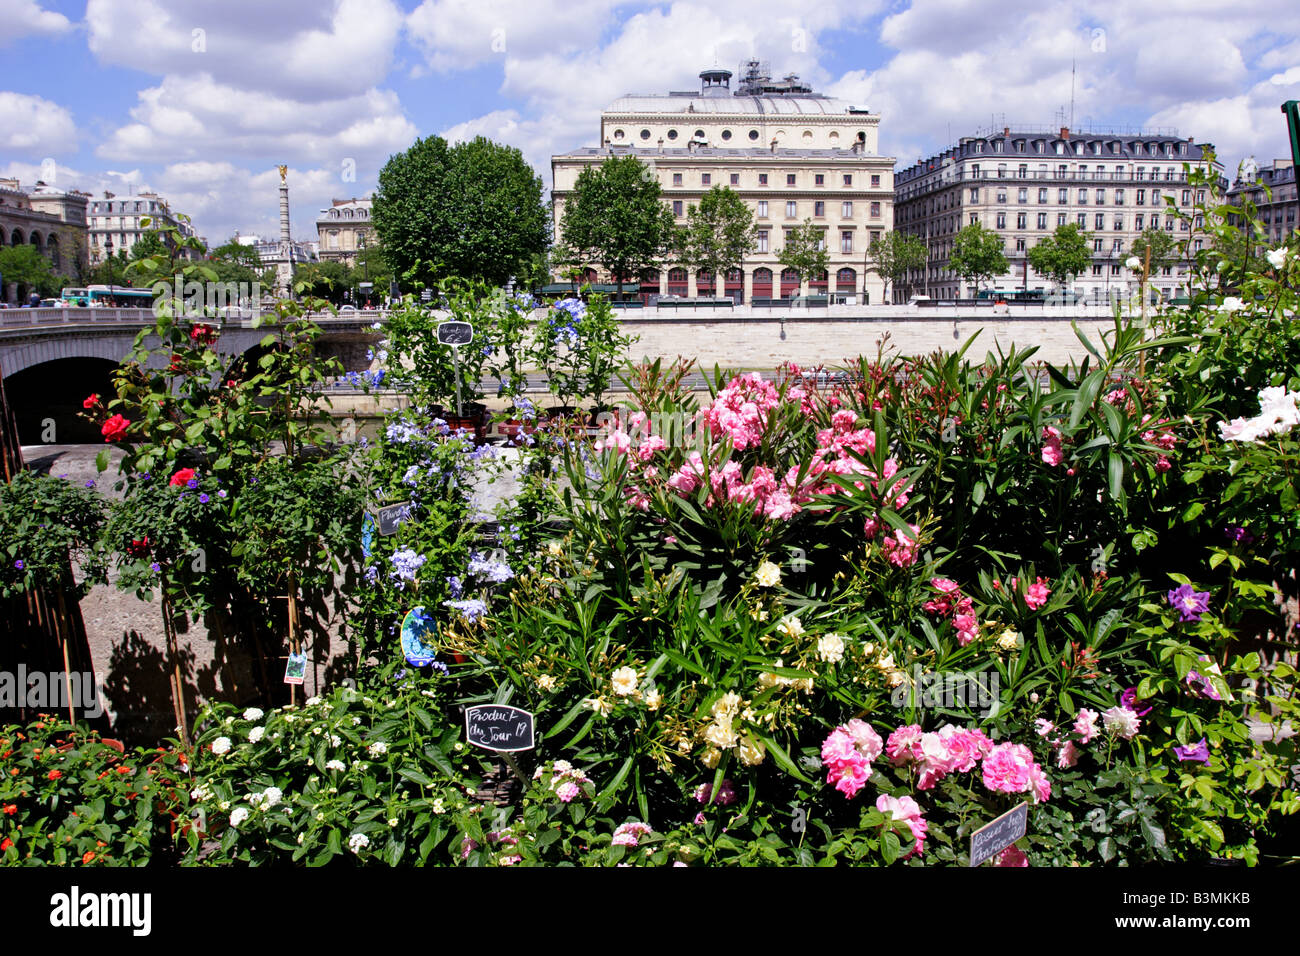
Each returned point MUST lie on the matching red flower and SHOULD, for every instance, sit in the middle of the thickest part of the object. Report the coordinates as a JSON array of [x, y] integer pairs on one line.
[[175, 366], [203, 334], [115, 428], [6, 844], [11, 809], [55, 774], [91, 402], [138, 548], [182, 477], [87, 856]]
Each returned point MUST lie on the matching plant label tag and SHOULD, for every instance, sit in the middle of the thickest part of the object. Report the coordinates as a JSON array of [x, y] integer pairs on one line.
[[455, 333], [499, 727], [296, 670], [393, 515], [992, 838], [417, 638]]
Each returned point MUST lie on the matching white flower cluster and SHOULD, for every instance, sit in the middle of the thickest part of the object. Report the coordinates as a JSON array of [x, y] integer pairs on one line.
[[768, 575], [221, 745], [1279, 412], [266, 799], [1276, 257]]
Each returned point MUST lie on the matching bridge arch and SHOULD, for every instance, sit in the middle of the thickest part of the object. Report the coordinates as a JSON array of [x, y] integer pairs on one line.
[[47, 397]]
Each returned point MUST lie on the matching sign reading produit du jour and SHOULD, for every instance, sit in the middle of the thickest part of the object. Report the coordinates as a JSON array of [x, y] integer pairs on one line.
[[992, 838], [499, 727]]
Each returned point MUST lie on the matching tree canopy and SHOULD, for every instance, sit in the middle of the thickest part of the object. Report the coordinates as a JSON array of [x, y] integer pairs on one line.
[[1063, 255], [977, 254], [719, 232], [805, 251], [616, 217], [472, 210], [894, 255]]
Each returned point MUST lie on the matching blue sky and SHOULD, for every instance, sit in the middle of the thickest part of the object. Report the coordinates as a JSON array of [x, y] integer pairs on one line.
[[200, 99]]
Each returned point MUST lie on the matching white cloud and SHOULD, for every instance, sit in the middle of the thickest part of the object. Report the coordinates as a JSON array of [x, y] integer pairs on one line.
[[458, 34], [34, 126], [301, 49], [20, 18]]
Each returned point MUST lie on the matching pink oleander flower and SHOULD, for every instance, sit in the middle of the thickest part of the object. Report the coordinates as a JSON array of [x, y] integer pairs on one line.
[[871, 528], [900, 548], [645, 451], [967, 628], [1036, 594], [740, 410], [945, 585], [618, 442], [1052, 453], [1085, 725]]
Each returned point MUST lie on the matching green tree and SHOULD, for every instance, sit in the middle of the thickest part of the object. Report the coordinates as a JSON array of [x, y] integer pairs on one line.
[[894, 255], [472, 210], [616, 217], [977, 254], [1163, 246], [324, 280], [805, 251], [32, 271], [719, 233], [149, 244], [112, 271], [1062, 255]]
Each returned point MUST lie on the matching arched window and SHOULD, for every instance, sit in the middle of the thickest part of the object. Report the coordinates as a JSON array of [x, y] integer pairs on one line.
[[762, 283], [846, 280], [789, 283]]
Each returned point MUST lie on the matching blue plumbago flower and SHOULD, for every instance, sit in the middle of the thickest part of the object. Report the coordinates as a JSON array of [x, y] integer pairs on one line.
[[405, 564], [489, 570], [401, 431], [471, 609], [454, 586], [353, 379], [522, 301], [374, 378], [90, 483], [370, 355], [155, 567], [485, 451], [488, 350], [439, 666], [372, 573], [525, 409], [440, 426], [576, 308], [377, 326], [412, 476]]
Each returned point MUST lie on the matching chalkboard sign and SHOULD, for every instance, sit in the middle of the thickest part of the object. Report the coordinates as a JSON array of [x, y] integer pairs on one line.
[[455, 333], [992, 838], [392, 516], [499, 727]]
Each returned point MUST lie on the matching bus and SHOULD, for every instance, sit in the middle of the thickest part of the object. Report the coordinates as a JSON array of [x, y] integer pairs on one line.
[[121, 297], [74, 296]]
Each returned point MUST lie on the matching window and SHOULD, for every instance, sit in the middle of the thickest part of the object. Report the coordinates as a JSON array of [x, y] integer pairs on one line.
[[848, 179], [1022, 195], [846, 240], [1169, 224], [1187, 197], [1023, 171], [974, 218], [706, 179], [1118, 223], [1117, 245], [1141, 174], [762, 209], [726, 134], [1062, 197], [1169, 174], [677, 207], [1042, 220], [1155, 221], [753, 134], [1022, 220], [1002, 195], [1083, 220], [791, 209], [846, 210], [789, 179], [1020, 245], [1083, 197], [1100, 221], [1101, 197], [1114, 268], [1042, 194], [672, 134], [1002, 170], [1137, 221], [1096, 270], [1155, 197], [762, 179], [975, 194], [1141, 199], [875, 180], [677, 179], [875, 210], [762, 240], [1002, 220], [1200, 196], [819, 179], [1060, 219], [821, 241], [735, 179], [819, 209], [1096, 245], [975, 171]]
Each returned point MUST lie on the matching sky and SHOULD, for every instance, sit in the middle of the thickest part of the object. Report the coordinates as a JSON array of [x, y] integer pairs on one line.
[[201, 99]]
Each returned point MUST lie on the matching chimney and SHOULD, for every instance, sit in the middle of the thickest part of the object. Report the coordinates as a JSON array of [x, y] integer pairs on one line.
[[1191, 139], [1065, 132], [1006, 131]]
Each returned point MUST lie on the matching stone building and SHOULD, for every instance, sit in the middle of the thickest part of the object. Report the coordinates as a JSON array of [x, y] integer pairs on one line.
[[792, 155], [52, 220], [1024, 182], [344, 229], [116, 223], [1277, 207]]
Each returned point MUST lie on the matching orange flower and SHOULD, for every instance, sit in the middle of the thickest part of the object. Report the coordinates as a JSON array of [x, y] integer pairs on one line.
[[123, 769], [11, 809], [87, 856], [55, 774], [6, 844]]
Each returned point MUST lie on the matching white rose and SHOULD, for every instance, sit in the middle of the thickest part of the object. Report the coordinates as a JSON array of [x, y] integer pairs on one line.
[[624, 680], [790, 627], [1133, 262], [768, 575], [1232, 304], [752, 751], [1276, 257]]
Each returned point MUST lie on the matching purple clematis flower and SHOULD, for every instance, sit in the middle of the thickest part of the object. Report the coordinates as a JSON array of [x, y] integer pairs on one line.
[[1189, 604], [1197, 752]]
